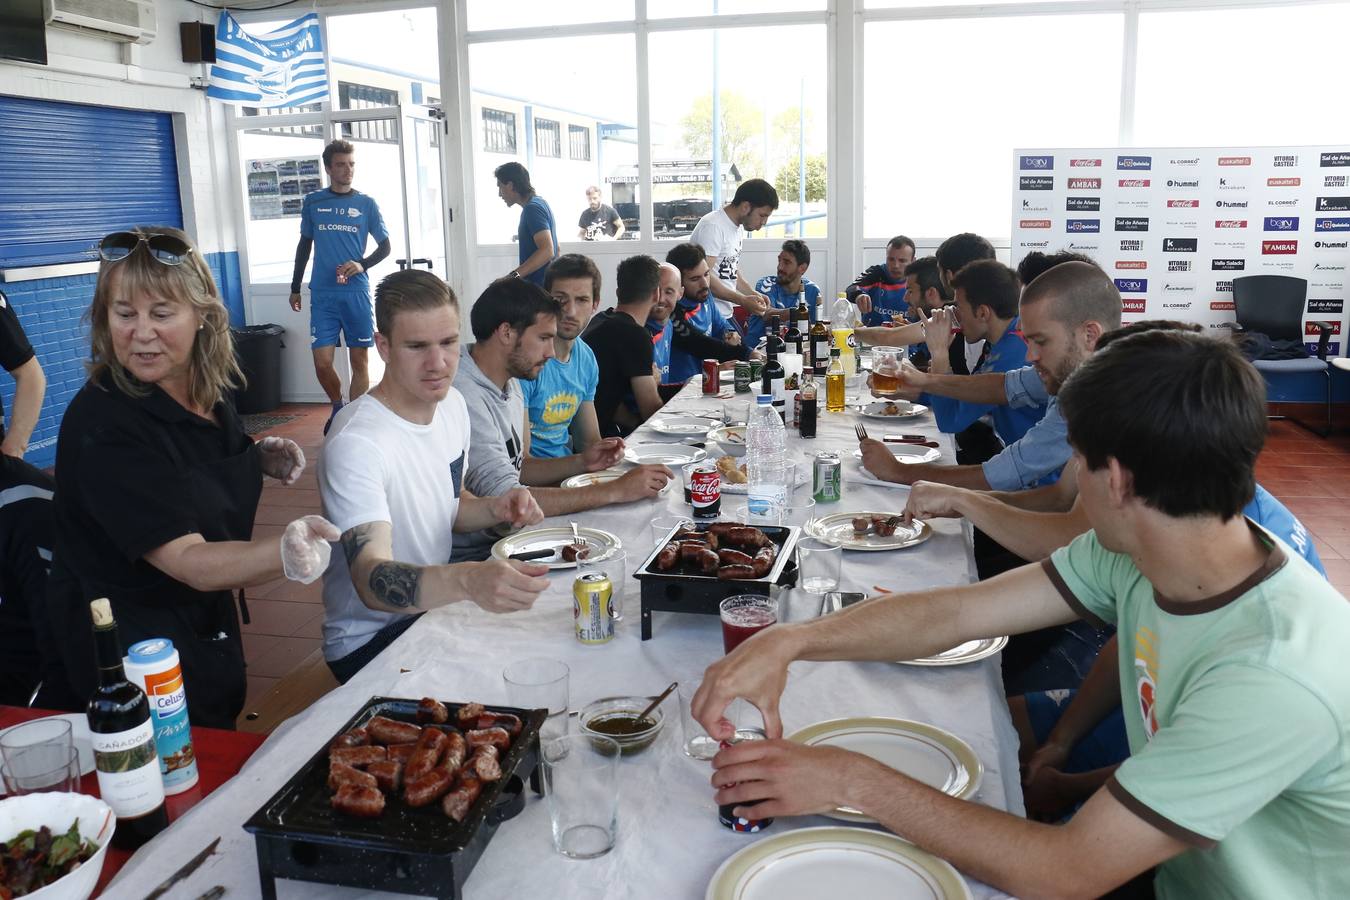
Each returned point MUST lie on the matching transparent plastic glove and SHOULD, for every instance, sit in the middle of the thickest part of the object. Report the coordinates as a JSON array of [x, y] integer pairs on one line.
[[305, 549], [282, 459]]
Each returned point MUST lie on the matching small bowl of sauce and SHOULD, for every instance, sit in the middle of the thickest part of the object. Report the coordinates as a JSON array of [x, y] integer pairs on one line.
[[617, 718]]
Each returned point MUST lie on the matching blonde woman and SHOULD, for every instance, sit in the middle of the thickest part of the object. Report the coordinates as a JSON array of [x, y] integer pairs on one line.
[[156, 482]]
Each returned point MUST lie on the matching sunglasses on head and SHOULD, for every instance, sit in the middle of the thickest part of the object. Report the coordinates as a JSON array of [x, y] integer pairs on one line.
[[163, 248]]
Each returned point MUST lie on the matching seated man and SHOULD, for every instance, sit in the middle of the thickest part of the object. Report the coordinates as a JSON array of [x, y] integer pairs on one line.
[[925, 293], [623, 350], [1231, 662], [698, 331], [784, 289], [25, 556], [392, 480], [561, 401], [513, 326], [881, 292]]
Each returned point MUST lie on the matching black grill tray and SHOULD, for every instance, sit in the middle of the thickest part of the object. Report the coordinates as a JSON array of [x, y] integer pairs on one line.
[[416, 851]]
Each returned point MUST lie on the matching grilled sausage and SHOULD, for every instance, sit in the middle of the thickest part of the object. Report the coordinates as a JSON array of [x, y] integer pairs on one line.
[[735, 573], [357, 756], [469, 712], [748, 536], [574, 552], [401, 752], [496, 737], [484, 763], [668, 557], [861, 524], [886, 525], [510, 722], [733, 558], [690, 534], [365, 802], [456, 751], [390, 731], [689, 550], [341, 773], [430, 711], [721, 528], [428, 752], [388, 775], [428, 788], [357, 737], [457, 803], [763, 561]]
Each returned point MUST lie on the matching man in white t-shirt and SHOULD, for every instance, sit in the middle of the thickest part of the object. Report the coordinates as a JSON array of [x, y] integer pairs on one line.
[[720, 233], [392, 478]]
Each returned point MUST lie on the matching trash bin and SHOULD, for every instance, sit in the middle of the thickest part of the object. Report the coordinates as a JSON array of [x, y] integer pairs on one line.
[[258, 350]]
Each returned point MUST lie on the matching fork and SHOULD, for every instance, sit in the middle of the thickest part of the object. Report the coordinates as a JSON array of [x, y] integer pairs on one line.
[[576, 535], [860, 431]]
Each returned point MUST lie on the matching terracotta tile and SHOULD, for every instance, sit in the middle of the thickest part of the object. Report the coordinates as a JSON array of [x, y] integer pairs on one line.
[[295, 592], [1325, 550], [255, 645], [311, 629], [277, 617], [1339, 543], [1304, 507], [258, 686], [283, 657], [1338, 571], [1324, 526], [264, 591], [280, 515], [1336, 459], [303, 498]]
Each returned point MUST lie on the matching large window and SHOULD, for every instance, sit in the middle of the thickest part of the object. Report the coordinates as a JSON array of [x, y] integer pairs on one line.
[[547, 138], [942, 164], [499, 131], [579, 142]]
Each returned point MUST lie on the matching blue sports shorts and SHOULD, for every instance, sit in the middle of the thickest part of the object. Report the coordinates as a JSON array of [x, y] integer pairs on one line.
[[348, 313], [1105, 745]]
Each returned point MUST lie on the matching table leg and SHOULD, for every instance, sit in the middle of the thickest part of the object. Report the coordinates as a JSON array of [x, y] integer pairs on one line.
[[646, 622]]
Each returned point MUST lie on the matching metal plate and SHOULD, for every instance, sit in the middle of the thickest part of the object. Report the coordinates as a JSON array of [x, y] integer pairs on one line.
[[876, 410], [837, 528], [969, 652], [586, 479], [909, 453], [557, 536], [682, 425], [667, 454]]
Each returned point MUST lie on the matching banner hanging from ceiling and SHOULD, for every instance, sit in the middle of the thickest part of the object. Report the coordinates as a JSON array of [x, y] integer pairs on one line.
[[280, 69]]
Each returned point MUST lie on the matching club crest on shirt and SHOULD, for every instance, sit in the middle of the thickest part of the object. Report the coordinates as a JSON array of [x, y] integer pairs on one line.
[[1146, 679]]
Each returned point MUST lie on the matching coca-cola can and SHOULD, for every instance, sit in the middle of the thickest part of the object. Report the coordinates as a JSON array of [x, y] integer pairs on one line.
[[712, 376], [705, 492]]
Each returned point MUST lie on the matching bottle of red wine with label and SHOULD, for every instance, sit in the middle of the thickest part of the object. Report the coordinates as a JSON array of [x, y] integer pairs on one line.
[[124, 741]]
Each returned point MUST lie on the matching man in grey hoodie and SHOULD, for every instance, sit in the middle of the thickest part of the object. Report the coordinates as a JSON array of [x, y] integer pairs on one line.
[[514, 323]]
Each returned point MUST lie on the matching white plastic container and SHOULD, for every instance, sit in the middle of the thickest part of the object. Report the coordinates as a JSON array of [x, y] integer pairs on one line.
[[153, 665], [765, 455]]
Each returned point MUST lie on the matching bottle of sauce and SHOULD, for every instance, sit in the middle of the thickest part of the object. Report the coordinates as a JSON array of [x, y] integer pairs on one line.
[[806, 407], [834, 383], [820, 345], [792, 338], [123, 737], [803, 327]]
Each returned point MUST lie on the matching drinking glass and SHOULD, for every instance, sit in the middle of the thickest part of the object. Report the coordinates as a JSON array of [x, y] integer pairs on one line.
[[818, 564], [698, 744], [41, 767], [50, 732], [799, 510], [615, 566], [744, 615], [580, 774], [790, 476], [886, 369], [540, 684], [664, 525]]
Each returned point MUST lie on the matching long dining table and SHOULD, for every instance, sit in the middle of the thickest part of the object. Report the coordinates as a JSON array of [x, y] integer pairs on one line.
[[670, 842]]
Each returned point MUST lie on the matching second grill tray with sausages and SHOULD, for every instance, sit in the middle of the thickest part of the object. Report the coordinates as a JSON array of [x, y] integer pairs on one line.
[[683, 590], [415, 851]]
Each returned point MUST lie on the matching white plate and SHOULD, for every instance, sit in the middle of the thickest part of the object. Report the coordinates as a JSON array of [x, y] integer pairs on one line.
[[667, 454], [586, 479], [969, 652], [909, 453], [876, 410], [924, 752], [79, 733], [557, 536], [837, 528], [681, 425], [730, 438], [833, 861]]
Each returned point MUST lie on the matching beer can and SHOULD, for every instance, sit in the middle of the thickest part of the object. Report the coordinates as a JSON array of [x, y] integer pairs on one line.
[[742, 375], [153, 665], [592, 595], [827, 484], [705, 492], [724, 812], [756, 371], [712, 376]]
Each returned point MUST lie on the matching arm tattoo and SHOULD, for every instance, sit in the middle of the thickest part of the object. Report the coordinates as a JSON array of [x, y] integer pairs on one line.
[[354, 540], [395, 583]]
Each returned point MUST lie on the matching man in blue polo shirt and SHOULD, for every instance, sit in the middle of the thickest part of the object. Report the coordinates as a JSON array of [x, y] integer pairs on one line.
[[537, 235], [784, 289], [335, 223], [698, 330]]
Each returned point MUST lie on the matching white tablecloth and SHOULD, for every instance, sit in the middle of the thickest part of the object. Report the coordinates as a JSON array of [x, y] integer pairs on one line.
[[670, 842]]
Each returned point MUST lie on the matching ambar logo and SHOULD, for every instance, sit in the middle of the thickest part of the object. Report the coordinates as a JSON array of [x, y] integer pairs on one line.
[[1281, 223], [1133, 304], [1131, 264], [1131, 223], [1179, 245], [1036, 182], [1134, 182], [1134, 162], [1034, 223], [1085, 163], [1269, 248], [1230, 223], [1037, 163], [1311, 328], [1132, 285], [1082, 204], [1083, 226], [1283, 182], [1336, 158], [1339, 223], [1183, 204], [1085, 184], [1235, 160]]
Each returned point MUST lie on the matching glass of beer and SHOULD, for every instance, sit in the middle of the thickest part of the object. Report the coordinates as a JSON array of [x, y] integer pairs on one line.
[[886, 370]]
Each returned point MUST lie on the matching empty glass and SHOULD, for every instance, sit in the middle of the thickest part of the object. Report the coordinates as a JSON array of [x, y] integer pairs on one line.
[[540, 684], [580, 775], [53, 732], [41, 767], [818, 565], [615, 566], [664, 525]]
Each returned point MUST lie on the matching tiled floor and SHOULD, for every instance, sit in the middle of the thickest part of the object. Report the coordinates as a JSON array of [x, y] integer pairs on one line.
[[1309, 474]]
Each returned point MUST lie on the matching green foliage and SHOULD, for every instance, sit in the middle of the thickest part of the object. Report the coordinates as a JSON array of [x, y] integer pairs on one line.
[[786, 181]]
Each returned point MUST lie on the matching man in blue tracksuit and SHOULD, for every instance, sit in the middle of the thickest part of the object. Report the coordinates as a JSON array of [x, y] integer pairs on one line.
[[784, 289], [879, 291], [698, 330]]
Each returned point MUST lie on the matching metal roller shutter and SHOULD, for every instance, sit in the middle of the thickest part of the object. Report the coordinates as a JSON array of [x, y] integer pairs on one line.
[[82, 171]]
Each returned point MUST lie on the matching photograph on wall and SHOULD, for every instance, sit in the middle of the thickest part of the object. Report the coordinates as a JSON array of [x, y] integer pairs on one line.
[[277, 187]]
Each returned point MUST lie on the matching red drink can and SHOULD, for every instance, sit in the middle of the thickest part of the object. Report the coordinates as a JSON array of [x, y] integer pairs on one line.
[[705, 492], [712, 376]]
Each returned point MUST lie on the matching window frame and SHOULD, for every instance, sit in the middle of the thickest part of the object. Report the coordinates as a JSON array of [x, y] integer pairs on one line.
[[573, 133], [547, 136], [502, 121]]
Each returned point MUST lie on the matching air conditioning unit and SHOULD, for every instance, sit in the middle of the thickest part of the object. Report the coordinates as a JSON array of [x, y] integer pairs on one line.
[[119, 20]]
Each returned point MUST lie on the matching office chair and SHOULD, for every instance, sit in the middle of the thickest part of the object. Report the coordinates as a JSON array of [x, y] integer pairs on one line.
[[1273, 305]]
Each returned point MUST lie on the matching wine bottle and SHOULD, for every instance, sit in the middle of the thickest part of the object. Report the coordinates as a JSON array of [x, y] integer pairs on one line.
[[123, 739], [806, 401], [774, 378]]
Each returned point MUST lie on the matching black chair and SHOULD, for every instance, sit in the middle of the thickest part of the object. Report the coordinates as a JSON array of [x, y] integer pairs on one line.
[[1274, 305]]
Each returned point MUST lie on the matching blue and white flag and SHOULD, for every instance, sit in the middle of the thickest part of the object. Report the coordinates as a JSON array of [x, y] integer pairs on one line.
[[284, 68]]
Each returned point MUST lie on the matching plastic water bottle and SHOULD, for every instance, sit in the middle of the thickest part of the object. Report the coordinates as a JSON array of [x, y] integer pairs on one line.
[[766, 455]]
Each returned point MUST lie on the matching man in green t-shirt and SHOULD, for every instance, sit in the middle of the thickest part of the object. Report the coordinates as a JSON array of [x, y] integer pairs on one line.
[[1231, 662]]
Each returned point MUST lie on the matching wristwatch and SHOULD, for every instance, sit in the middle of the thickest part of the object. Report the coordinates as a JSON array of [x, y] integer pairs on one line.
[[513, 274]]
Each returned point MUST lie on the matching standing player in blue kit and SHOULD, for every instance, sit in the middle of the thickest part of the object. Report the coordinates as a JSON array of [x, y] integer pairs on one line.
[[335, 222]]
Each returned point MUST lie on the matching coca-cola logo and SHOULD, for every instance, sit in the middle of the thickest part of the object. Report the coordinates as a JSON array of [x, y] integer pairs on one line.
[[705, 486], [1183, 204]]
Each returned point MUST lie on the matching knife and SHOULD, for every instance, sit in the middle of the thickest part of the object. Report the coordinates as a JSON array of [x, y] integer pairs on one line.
[[527, 555], [906, 438], [188, 868], [891, 440]]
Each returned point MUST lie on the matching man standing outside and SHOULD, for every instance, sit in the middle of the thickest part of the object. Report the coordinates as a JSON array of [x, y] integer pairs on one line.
[[30, 383], [880, 291], [537, 235], [599, 221], [561, 401], [784, 289], [335, 222], [393, 479], [720, 234]]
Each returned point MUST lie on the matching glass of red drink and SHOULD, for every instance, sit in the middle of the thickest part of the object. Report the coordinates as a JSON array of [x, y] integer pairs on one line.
[[743, 615]]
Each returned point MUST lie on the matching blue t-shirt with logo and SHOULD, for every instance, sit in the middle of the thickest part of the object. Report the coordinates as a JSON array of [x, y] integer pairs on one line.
[[707, 318], [552, 399], [535, 217], [339, 224], [661, 349], [781, 299]]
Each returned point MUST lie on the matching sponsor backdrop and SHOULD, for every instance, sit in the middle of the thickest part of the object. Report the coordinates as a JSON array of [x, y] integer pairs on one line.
[[1174, 227]]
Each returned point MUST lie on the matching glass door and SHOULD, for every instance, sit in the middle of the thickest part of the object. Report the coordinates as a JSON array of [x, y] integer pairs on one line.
[[422, 138]]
